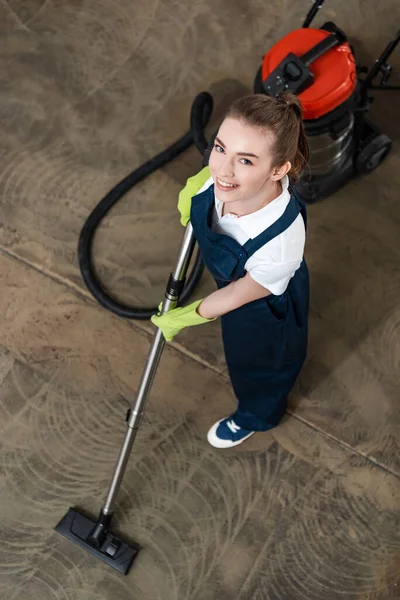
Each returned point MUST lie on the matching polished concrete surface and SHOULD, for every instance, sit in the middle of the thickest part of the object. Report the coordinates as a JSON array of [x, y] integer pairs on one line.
[[309, 510]]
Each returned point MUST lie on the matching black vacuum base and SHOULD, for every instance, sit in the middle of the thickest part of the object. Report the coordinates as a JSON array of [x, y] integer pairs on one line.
[[115, 552]]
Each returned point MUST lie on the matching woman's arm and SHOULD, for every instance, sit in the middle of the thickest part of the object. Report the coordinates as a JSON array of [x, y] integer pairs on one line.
[[232, 296], [223, 301]]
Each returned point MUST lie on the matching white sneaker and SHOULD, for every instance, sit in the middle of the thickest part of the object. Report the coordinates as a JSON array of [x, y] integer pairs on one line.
[[226, 434]]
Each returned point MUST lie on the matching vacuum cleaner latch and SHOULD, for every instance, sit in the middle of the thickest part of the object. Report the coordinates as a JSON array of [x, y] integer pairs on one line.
[[386, 71], [291, 75]]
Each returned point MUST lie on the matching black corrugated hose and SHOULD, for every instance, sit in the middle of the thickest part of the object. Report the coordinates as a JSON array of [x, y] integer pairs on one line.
[[200, 115]]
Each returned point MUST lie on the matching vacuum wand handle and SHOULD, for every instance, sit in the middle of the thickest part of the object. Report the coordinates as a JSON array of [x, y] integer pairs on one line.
[[173, 291]]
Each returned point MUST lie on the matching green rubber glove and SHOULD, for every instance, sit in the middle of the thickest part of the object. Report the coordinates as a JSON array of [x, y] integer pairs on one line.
[[173, 321], [193, 185]]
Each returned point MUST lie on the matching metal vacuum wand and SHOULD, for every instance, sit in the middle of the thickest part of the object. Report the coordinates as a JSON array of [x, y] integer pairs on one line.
[[93, 535], [173, 291]]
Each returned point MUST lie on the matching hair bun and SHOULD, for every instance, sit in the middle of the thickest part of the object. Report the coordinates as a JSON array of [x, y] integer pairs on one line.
[[292, 101], [282, 117]]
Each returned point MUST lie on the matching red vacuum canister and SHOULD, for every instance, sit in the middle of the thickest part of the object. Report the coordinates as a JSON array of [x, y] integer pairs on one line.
[[319, 66], [334, 72]]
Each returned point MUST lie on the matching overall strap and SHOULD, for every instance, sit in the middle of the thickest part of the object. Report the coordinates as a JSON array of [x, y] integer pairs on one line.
[[303, 208], [289, 216]]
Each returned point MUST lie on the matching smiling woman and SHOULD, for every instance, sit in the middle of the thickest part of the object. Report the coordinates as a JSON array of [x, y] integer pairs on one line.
[[243, 178], [250, 227]]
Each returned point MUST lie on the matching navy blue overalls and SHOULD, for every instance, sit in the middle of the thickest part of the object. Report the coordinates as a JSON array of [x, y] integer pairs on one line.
[[265, 341]]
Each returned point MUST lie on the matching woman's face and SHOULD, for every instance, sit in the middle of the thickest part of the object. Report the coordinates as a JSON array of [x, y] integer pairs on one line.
[[241, 161]]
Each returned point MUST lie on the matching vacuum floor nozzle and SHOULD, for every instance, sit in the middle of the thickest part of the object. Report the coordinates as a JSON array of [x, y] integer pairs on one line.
[[78, 528]]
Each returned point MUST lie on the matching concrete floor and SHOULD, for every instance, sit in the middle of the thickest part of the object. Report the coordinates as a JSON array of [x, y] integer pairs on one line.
[[310, 510]]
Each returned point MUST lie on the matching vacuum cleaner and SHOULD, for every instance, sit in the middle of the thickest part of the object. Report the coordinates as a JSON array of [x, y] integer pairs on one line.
[[319, 66]]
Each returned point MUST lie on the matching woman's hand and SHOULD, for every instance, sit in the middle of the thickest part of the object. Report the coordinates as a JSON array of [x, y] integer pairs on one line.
[[192, 187], [218, 303], [173, 321]]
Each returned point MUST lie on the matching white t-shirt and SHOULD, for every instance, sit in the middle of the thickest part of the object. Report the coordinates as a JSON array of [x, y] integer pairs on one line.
[[275, 263]]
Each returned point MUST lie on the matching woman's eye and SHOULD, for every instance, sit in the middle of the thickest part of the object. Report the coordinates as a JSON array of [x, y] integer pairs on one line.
[[246, 161], [218, 148]]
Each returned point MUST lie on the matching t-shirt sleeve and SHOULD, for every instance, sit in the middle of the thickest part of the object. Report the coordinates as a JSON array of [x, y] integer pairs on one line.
[[274, 264], [274, 277]]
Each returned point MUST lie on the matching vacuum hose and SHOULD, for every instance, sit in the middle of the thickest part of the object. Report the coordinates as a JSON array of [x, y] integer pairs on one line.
[[200, 115]]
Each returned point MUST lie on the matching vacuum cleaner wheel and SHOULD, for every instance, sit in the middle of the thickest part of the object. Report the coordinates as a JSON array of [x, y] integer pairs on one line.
[[373, 153]]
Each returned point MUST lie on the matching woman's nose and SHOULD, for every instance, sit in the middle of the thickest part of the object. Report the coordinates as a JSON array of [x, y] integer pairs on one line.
[[227, 169]]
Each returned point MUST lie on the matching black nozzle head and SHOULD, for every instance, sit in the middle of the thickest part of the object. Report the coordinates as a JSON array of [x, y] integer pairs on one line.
[[93, 536]]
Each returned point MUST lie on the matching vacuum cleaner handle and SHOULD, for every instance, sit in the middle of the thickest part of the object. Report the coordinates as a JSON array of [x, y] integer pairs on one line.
[[172, 293], [312, 12], [176, 281], [380, 64], [335, 39]]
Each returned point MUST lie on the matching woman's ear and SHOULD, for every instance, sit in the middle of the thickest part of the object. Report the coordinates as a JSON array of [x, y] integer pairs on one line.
[[279, 172]]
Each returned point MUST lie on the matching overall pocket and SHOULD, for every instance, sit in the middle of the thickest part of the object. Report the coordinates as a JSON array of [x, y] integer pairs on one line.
[[277, 306]]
